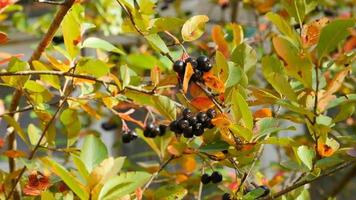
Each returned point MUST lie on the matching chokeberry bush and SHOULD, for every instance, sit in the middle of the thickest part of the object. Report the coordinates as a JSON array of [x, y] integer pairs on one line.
[[203, 99]]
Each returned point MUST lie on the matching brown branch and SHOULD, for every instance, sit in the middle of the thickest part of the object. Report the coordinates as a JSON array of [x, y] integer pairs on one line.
[[234, 10], [155, 175], [46, 40], [297, 185]]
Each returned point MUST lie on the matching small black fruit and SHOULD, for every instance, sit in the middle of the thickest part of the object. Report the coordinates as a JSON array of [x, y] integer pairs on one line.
[[179, 67], [109, 126], [126, 138], [202, 117], [208, 124], [205, 179], [188, 132], [182, 124], [198, 129], [133, 135], [202, 62], [211, 113], [186, 113], [216, 177], [226, 196], [207, 67], [192, 61], [173, 126], [162, 129], [192, 120]]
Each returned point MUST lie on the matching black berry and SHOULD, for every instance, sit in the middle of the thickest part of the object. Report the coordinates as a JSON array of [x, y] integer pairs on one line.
[[207, 67], [226, 196], [266, 190], [211, 113], [197, 76], [225, 151], [126, 138], [162, 129], [208, 124], [186, 113], [109, 126], [202, 61], [188, 132], [182, 124], [133, 135], [156, 131], [198, 129], [192, 61], [179, 67], [205, 179], [216, 177], [173, 126], [202, 117], [192, 120], [150, 131]]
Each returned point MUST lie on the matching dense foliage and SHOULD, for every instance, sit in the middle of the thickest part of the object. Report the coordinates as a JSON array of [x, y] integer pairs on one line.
[[200, 97]]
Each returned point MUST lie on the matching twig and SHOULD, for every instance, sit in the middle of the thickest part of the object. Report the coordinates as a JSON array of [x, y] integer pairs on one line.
[[46, 40], [297, 185], [234, 10], [154, 176]]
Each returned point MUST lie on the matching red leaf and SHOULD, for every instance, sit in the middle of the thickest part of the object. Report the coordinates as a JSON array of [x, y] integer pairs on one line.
[[213, 82], [218, 37], [202, 103], [3, 38]]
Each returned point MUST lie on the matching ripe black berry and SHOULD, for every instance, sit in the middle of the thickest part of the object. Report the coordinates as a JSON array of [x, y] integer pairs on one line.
[[207, 67], [186, 113], [226, 196], [192, 120], [197, 76], [211, 113], [192, 61], [150, 131], [216, 177], [266, 190], [202, 62], [208, 124], [133, 135], [156, 132], [202, 117], [126, 138], [182, 124], [179, 67], [198, 129], [173, 126], [188, 132], [162, 129], [205, 179], [109, 126]]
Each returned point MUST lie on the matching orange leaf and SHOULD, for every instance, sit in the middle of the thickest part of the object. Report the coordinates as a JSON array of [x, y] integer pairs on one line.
[[3, 38], [187, 75], [189, 164], [262, 113], [195, 90], [328, 148], [221, 121], [202, 103], [14, 154], [2, 142], [213, 82], [311, 31], [218, 37], [180, 178], [350, 44], [91, 111]]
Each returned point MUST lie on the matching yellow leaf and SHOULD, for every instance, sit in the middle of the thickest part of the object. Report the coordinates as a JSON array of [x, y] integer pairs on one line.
[[188, 74], [194, 27]]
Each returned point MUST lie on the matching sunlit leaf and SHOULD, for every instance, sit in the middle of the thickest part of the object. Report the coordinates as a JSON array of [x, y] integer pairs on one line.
[[306, 155], [97, 43], [194, 27]]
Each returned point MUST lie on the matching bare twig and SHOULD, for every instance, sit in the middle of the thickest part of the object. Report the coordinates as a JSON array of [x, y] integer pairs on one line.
[[299, 184], [234, 10], [155, 175]]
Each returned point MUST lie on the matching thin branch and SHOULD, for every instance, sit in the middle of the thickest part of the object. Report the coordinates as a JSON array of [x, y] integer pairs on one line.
[[234, 10], [297, 185], [155, 175]]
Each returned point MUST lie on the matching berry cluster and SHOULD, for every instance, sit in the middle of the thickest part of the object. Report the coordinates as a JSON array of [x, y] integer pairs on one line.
[[200, 65], [128, 136], [151, 131], [190, 125], [215, 177]]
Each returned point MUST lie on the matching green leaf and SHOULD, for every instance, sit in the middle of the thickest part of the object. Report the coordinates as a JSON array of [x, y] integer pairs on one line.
[[80, 166], [97, 43], [47, 195], [51, 80], [306, 155], [142, 61], [16, 65], [275, 74], [165, 106], [71, 181], [157, 43], [244, 109], [241, 131], [346, 111], [166, 24], [93, 152], [33, 86], [194, 27], [71, 122], [304, 195], [34, 134], [235, 75], [254, 194], [222, 67], [328, 162], [124, 184], [13, 123], [299, 66], [216, 146], [171, 192], [296, 9], [283, 26], [71, 28], [245, 56], [332, 34], [93, 67]]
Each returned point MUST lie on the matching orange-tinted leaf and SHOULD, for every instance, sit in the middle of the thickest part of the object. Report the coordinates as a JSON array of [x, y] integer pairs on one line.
[[91, 111], [213, 82], [14, 154], [180, 178], [202, 103], [277, 179], [36, 184], [130, 119], [263, 6], [262, 113], [188, 74], [5, 58], [311, 31], [58, 65], [238, 33], [221, 121], [189, 164], [2, 142], [195, 90], [218, 37], [328, 148], [155, 75], [3, 37], [350, 44]]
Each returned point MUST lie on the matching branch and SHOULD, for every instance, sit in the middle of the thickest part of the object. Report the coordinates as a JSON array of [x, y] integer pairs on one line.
[[297, 185], [234, 10], [46, 40], [343, 182], [154, 176]]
